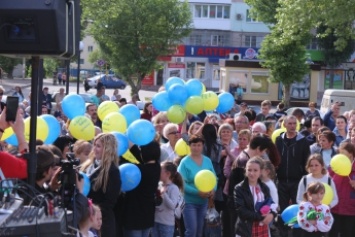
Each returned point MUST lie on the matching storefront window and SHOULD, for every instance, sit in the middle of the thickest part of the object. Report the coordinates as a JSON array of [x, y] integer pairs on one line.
[[195, 70], [259, 84], [216, 73], [239, 78], [299, 90]]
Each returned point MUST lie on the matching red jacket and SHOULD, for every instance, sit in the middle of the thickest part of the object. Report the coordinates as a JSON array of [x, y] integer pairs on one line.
[[346, 194], [13, 167]]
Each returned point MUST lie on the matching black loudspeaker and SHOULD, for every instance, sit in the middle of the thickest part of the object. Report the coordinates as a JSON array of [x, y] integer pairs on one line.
[[40, 28]]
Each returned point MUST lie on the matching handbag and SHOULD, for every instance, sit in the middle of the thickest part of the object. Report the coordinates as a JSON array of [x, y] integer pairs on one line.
[[212, 221]]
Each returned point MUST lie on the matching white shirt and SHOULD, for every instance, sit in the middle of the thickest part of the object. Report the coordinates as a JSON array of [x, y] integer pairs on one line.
[[167, 152]]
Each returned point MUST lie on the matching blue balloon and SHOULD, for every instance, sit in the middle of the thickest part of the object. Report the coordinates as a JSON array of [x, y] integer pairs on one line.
[[141, 132], [172, 81], [290, 212], [226, 102], [130, 112], [73, 105], [130, 176], [87, 184], [161, 101], [53, 128], [194, 87], [12, 140], [122, 143], [178, 94]]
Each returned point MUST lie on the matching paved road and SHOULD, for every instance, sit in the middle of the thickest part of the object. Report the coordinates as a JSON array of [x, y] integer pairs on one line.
[[25, 84]]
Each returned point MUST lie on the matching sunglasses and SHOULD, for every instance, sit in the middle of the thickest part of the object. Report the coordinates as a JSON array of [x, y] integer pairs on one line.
[[173, 133]]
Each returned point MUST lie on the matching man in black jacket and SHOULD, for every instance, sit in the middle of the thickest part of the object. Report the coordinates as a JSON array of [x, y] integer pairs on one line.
[[294, 151]]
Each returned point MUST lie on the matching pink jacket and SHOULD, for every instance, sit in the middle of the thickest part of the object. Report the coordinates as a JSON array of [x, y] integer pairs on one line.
[[346, 194]]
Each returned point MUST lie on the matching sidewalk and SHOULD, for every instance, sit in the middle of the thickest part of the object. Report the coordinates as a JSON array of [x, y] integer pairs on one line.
[[10, 84]]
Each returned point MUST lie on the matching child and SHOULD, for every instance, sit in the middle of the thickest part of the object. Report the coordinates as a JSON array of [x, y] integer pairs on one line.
[[87, 221], [268, 176], [249, 194], [317, 173], [344, 212], [97, 222], [165, 212], [314, 217]]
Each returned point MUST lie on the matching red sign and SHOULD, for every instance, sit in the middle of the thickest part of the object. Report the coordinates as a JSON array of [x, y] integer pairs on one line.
[[164, 58], [180, 51], [176, 65], [148, 80]]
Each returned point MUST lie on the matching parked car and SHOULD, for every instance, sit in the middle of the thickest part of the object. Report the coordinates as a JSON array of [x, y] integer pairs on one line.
[[110, 81]]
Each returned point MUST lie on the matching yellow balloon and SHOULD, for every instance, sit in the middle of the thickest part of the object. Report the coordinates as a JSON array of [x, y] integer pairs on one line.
[[81, 127], [194, 105], [203, 88], [205, 181], [105, 108], [41, 130], [210, 100], [277, 133], [7, 133], [114, 122], [176, 114], [298, 125], [328, 195], [130, 157], [341, 165], [181, 148]]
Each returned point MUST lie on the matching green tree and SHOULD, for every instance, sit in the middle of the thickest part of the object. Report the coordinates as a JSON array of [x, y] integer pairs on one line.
[[296, 16], [134, 33], [285, 60], [7, 64], [96, 55], [50, 66], [333, 57], [264, 10]]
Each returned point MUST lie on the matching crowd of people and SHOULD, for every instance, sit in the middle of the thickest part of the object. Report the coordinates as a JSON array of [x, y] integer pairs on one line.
[[252, 171]]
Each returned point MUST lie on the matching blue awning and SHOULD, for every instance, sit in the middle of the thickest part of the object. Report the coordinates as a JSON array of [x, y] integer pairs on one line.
[[213, 60]]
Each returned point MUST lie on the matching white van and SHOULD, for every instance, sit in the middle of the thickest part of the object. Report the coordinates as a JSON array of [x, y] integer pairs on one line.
[[345, 97]]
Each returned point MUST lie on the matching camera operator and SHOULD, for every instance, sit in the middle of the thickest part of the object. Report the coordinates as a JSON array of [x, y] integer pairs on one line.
[[16, 167]]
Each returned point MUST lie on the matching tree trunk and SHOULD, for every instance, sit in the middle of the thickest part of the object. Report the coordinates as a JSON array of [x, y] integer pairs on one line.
[[136, 85], [287, 96], [331, 79]]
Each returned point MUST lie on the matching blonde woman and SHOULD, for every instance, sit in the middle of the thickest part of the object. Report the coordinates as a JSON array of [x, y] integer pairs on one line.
[[102, 168], [159, 121]]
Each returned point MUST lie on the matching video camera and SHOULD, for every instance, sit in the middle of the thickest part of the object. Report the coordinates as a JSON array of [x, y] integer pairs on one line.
[[68, 178]]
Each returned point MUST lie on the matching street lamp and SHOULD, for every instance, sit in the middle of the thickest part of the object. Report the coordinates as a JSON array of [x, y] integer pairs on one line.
[[81, 47]]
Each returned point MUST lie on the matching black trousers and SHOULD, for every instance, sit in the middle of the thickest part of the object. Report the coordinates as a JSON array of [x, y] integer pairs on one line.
[[287, 192], [312, 234], [345, 225]]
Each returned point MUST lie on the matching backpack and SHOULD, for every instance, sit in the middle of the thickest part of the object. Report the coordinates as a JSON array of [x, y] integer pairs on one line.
[[179, 206], [305, 181]]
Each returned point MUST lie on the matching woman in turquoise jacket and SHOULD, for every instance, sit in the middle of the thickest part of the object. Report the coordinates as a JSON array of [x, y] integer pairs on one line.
[[195, 200]]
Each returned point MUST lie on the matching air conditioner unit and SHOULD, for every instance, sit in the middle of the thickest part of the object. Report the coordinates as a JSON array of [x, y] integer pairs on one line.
[[235, 56], [178, 60], [239, 17]]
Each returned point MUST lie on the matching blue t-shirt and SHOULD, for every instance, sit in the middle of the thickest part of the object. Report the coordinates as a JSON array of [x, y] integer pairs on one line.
[[188, 169]]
